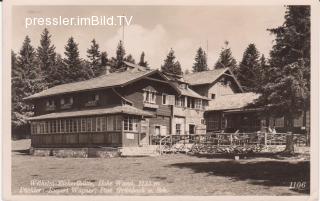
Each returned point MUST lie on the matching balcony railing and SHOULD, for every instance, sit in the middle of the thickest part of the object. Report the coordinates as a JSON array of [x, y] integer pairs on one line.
[[150, 105]]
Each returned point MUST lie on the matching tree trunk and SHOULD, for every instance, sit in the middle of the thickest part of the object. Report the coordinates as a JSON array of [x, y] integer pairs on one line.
[[289, 144], [289, 139]]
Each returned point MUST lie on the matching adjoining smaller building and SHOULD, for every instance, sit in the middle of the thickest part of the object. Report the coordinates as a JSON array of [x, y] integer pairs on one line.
[[228, 109]]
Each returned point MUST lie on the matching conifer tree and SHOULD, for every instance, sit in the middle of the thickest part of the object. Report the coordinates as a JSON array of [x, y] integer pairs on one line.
[[93, 53], [171, 65], [200, 61], [46, 54], [287, 88], [103, 63], [26, 80], [129, 59], [117, 62], [58, 73], [249, 71], [17, 118], [226, 59], [142, 62], [77, 70]]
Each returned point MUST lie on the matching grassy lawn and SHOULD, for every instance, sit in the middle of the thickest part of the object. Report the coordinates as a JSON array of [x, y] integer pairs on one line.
[[166, 175]]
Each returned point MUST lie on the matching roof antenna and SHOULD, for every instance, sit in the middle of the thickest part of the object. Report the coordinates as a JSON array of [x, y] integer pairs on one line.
[[207, 46], [123, 29]]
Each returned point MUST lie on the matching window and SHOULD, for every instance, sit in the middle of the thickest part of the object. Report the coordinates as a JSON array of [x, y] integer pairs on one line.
[[157, 130], [66, 102], [53, 126], [190, 102], [98, 124], [57, 126], [94, 124], [183, 86], [149, 96], [180, 101], [89, 124], [63, 126], [130, 124], [50, 105], [178, 129], [110, 120], [213, 96], [203, 121], [119, 123], [93, 100], [83, 125], [198, 104], [41, 127], [46, 127], [164, 99], [213, 123]]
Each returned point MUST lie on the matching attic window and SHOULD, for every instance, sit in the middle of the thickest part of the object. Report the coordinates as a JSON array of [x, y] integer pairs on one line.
[[183, 86], [93, 100], [213, 96], [66, 101], [50, 105], [149, 96]]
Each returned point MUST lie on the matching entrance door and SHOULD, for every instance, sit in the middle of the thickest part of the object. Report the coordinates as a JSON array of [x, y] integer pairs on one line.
[[144, 134], [192, 129]]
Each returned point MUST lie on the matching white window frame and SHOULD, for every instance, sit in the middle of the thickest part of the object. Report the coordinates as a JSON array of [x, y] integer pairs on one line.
[[165, 97], [149, 96]]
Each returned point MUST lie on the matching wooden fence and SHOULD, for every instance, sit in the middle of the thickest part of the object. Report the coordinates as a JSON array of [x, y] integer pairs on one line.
[[230, 139]]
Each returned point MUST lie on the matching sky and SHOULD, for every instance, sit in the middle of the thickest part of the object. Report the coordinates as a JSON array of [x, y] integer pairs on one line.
[[156, 29]]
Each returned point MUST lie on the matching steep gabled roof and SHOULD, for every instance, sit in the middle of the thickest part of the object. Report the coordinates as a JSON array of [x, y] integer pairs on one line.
[[121, 109], [104, 81], [208, 77], [233, 101], [189, 92]]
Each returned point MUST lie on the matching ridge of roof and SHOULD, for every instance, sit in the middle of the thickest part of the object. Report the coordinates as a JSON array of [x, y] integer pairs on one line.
[[103, 81], [204, 77]]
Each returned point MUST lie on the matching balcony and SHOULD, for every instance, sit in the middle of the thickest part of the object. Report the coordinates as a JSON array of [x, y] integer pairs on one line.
[[150, 105]]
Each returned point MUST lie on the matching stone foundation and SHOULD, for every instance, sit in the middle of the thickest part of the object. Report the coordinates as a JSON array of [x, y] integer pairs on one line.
[[76, 152]]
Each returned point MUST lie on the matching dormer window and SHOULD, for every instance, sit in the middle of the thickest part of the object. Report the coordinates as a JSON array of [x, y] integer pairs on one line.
[[66, 102], [149, 96], [183, 86], [50, 105], [93, 100]]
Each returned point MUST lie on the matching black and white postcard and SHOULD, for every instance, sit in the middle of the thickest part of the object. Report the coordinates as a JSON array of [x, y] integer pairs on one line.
[[174, 100]]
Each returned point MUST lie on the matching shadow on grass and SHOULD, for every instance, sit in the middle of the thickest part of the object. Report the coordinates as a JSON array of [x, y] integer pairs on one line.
[[267, 173], [22, 151], [277, 156]]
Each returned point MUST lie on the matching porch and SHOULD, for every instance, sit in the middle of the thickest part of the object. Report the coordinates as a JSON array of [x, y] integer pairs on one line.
[[63, 130]]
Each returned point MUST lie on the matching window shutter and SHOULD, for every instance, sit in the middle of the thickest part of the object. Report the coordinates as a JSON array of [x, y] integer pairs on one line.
[[163, 130], [170, 99]]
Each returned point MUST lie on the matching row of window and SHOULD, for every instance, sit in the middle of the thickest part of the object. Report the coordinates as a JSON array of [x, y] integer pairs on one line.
[[189, 102], [84, 124], [66, 102]]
